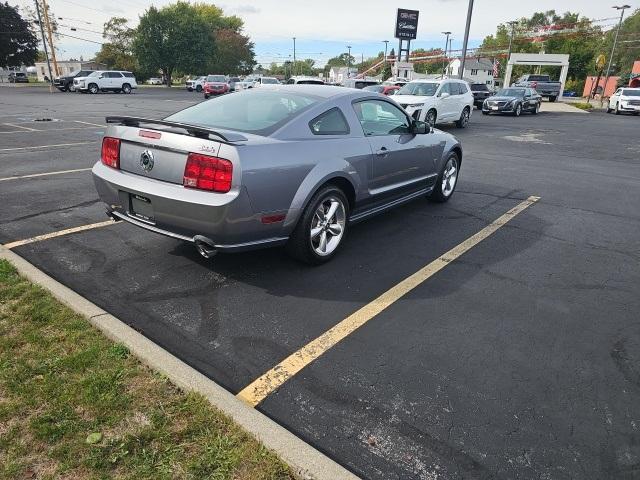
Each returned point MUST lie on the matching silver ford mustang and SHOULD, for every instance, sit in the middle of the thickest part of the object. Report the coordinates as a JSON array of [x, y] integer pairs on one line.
[[294, 165]]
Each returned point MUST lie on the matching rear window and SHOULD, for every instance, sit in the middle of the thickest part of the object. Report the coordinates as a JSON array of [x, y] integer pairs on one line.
[[259, 111], [331, 122], [18, 74], [310, 82], [479, 87], [364, 84], [538, 78]]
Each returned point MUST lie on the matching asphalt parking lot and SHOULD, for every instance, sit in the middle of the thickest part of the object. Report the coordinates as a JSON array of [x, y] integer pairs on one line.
[[520, 359]]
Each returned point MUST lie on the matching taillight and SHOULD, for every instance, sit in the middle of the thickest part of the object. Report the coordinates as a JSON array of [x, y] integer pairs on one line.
[[111, 152], [208, 173]]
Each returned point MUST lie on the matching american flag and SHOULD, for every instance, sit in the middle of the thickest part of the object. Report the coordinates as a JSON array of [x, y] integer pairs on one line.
[[496, 67]]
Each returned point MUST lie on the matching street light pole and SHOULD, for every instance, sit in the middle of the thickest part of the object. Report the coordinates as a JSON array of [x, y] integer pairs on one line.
[[622, 8], [384, 67], [444, 58], [293, 70], [44, 44], [466, 38], [349, 61], [512, 24]]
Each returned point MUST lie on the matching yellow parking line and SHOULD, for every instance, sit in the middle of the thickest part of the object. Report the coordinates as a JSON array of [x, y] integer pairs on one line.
[[89, 123], [33, 175], [28, 129], [59, 233], [263, 386], [45, 146]]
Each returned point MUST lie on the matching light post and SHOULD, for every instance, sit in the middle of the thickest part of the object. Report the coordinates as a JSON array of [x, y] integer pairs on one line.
[[349, 61], [444, 58], [293, 70], [622, 8], [384, 66], [512, 24], [466, 38]]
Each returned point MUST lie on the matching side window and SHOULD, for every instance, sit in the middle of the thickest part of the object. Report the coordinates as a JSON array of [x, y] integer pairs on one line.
[[445, 88], [463, 88], [128, 74], [331, 122], [454, 88], [291, 81], [378, 117]]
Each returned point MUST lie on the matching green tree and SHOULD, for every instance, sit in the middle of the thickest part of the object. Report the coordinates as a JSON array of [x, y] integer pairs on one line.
[[628, 47], [18, 43], [233, 53], [428, 66], [117, 51], [172, 38]]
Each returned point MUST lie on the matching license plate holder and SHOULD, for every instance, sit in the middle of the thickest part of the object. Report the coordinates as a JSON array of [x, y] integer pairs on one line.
[[140, 207], [494, 108]]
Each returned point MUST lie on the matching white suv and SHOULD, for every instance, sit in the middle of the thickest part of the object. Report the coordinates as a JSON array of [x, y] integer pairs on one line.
[[106, 81], [196, 84], [625, 100], [437, 101]]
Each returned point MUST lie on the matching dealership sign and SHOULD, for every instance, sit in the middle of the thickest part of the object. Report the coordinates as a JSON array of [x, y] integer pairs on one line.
[[407, 24]]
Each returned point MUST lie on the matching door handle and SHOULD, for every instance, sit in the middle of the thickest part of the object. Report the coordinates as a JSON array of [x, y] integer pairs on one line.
[[382, 152]]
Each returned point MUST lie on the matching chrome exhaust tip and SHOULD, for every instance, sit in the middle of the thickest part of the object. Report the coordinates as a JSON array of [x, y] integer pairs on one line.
[[204, 246]]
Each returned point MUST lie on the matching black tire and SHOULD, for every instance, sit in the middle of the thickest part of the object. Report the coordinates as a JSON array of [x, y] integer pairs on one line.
[[206, 96], [536, 109], [299, 245], [617, 110], [464, 118], [62, 89], [432, 117], [198, 88], [190, 89], [553, 99], [437, 194], [93, 88], [518, 110], [485, 113], [126, 88]]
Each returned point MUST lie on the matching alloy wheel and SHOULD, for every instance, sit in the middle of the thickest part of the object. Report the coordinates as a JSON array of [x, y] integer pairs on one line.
[[449, 176], [327, 226]]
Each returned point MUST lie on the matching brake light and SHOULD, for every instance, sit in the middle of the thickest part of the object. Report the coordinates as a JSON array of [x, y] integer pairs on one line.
[[111, 152], [208, 173]]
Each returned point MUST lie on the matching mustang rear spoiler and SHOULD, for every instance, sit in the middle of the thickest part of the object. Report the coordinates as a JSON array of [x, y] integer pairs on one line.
[[194, 130]]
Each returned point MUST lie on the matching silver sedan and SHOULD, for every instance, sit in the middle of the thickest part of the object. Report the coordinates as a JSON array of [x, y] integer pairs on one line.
[[294, 165]]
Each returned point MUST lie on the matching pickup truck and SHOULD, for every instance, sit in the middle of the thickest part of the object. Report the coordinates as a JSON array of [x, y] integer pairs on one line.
[[542, 84]]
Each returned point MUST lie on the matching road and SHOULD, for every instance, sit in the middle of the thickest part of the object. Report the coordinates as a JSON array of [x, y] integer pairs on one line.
[[519, 359]]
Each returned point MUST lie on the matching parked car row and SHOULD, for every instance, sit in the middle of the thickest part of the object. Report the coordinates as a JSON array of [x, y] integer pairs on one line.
[[94, 81]]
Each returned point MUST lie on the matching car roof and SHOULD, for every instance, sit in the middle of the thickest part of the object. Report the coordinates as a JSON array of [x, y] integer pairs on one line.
[[322, 91]]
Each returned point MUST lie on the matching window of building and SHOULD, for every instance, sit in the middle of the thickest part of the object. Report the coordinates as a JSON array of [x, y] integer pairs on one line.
[[474, 72]]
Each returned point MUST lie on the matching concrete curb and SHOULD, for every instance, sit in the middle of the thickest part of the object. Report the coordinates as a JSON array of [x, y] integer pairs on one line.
[[307, 462]]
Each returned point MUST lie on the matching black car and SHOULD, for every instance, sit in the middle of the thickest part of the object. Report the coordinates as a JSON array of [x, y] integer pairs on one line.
[[65, 84], [480, 93], [18, 77], [513, 100]]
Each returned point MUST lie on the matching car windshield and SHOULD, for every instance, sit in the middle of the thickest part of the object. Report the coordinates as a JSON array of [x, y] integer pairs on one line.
[[216, 78], [419, 88], [234, 79], [631, 93], [267, 80], [479, 87], [511, 92], [255, 111], [374, 88]]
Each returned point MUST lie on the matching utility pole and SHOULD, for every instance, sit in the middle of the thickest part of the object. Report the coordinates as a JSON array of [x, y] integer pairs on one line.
[[349, 61], [512, 23], [293, 70], [466, 38], [44, 44], [384, 66], [622, 8], [47, 24], [444, 58]]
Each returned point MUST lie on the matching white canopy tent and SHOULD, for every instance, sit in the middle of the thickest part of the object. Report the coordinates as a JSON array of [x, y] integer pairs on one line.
[[550, 59]]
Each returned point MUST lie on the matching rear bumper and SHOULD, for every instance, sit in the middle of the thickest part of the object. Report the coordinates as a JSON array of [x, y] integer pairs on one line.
[[227, 220]]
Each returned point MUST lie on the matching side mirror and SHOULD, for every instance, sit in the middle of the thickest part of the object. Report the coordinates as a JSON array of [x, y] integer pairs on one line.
[[444, 95], [420, 128]]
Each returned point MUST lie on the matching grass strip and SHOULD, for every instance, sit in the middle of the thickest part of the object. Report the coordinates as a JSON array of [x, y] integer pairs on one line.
[[73, 404]]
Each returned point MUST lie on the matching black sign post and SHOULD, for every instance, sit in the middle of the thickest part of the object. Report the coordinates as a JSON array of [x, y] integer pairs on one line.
[[406, 30]]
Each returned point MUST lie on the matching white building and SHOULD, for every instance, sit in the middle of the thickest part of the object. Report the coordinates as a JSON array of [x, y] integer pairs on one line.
[[339, 74], [66, 67], [476, 70]]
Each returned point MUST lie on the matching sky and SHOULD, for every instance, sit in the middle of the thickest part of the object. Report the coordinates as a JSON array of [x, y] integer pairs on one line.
[[323, 28]]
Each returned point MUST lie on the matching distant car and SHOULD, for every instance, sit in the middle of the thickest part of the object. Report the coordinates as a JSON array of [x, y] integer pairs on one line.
[[359, 83], [480, 93], [215, 85], [18, 77], [106, 81], [196, 84], [437, 101], [294, 165], [625, 100], [154, 81], [265, 81], [513, 100], [398, 82], [302, 80], [232, 83], [541, 84], [65, 83], [383, 89]]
